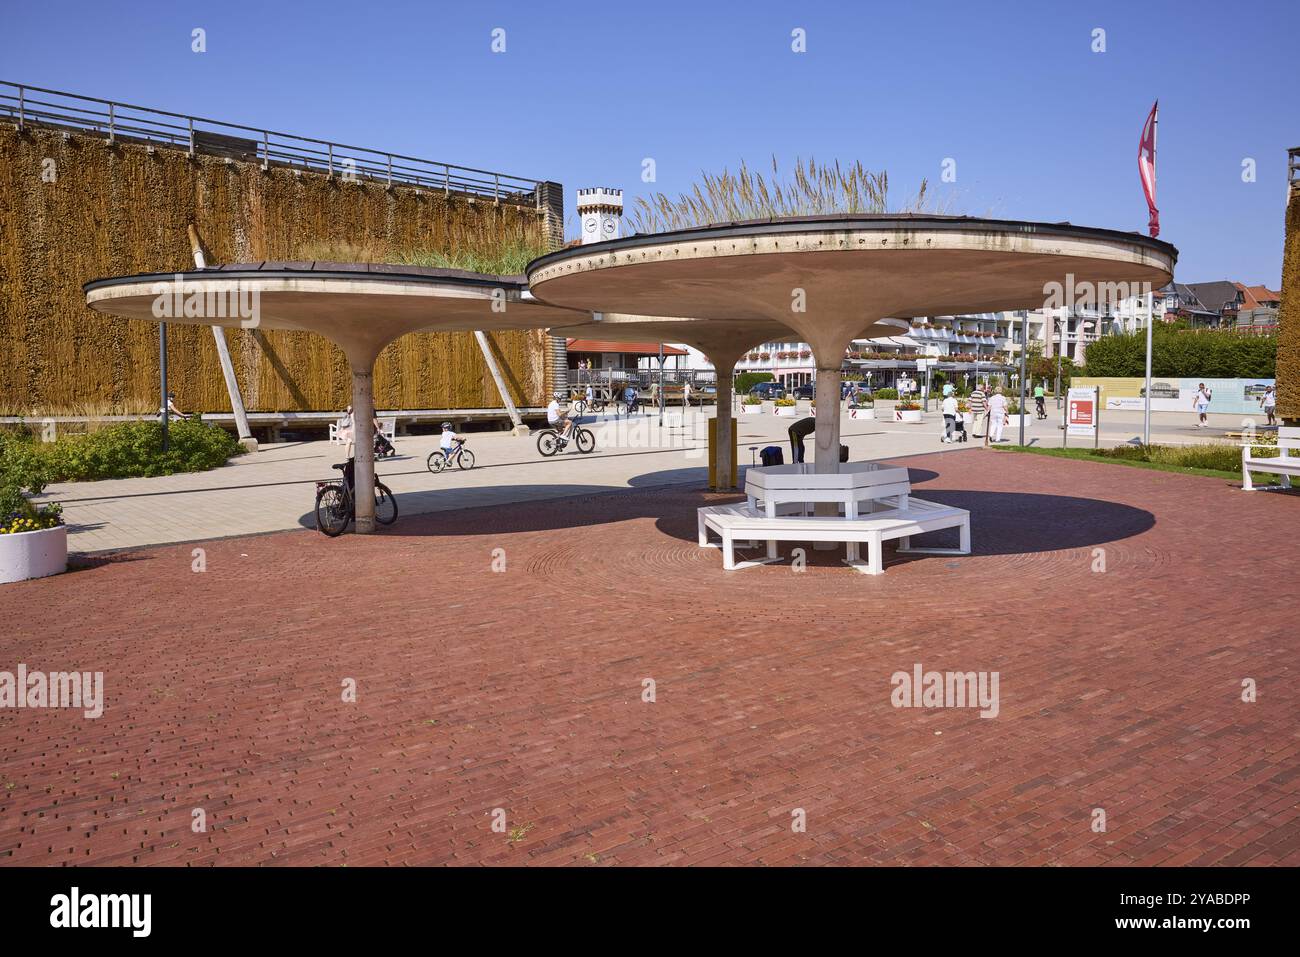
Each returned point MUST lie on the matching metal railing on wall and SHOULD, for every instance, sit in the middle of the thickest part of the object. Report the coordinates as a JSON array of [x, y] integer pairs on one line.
[[123, 122]]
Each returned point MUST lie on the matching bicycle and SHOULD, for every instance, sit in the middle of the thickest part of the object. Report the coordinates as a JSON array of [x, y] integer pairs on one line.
[[336, 508], [550, 441], [627, 408], [461, 456]]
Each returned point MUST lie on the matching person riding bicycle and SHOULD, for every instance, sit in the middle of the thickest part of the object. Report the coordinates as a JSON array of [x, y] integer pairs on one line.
[[631, 397], [449, 440], [561, 423]]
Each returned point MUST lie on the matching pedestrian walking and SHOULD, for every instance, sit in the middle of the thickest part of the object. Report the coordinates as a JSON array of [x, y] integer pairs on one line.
[[1268, 401], [980, 410], [1201, 402], [997, 416]]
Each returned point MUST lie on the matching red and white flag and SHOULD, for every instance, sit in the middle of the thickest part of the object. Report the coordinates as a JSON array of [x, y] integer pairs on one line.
[[1147, 168]]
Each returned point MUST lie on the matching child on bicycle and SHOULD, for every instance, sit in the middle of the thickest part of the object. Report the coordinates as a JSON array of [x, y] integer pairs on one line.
[[449, 441]]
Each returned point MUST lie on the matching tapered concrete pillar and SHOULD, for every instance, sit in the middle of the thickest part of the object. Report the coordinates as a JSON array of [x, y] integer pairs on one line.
[[363, 435], [827, 435], [724, 366], [726, 428]]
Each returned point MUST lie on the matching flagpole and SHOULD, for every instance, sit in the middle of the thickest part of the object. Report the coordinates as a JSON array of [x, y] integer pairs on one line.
[[1146, 409]]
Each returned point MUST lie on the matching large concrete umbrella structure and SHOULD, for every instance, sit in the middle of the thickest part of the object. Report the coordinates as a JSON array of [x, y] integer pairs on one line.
[[829, 277], [360, 307]]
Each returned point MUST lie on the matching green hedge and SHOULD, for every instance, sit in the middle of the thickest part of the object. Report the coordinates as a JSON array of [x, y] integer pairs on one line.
[[130, 450], [1177, 353], [747, 380]]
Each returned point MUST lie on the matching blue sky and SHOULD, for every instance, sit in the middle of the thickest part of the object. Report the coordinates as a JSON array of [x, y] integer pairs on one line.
[[1040, 126]]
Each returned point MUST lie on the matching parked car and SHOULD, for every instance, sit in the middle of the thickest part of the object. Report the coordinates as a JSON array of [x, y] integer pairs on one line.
[[806, 391], [768, 390]]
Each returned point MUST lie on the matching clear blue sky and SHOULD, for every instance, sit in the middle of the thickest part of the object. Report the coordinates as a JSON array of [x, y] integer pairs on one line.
[[1040, 126]]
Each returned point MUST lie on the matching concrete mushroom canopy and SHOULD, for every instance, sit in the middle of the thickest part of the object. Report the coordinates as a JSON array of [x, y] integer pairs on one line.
[[361, 307], [830, 277]]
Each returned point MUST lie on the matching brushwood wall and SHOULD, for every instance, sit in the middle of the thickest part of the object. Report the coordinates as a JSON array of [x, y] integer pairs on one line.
[[74, 208]]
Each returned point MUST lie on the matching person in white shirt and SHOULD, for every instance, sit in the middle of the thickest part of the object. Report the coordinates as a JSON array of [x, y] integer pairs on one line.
[[997, 416], [1201, 402], [954, 430], [557, 419], [1269, 403], [449, 441]]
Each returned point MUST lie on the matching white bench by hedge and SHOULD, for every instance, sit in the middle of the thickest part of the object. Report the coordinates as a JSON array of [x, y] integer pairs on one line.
[[1283, 464], [735, 523]]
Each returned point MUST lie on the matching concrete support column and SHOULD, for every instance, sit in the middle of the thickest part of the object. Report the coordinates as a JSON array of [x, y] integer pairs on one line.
[[726, 424], [827, 435], [363, 433]]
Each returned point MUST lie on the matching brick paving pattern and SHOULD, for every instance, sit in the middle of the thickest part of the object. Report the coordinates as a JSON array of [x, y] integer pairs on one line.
[[522, 689]]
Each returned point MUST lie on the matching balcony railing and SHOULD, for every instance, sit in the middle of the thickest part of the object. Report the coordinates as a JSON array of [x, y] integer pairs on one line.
[[122, 122]]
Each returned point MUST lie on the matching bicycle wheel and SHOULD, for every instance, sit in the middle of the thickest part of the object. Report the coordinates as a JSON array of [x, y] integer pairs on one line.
[[332, 510], [586, 440], [548, 443], [385, 505], [580, 407], [597, 405], [436, 462], [466, 460], [621, 408]]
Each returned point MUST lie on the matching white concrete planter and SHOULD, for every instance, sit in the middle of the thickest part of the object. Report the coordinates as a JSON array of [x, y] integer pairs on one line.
[[862, 413], [789, 411], [907, 416], [756, 409], [33, 554]]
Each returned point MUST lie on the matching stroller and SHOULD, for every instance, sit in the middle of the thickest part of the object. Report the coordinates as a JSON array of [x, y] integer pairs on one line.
[[383, 448]]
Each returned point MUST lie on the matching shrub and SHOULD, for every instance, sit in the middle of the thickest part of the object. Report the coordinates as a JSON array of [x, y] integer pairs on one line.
[[751, 400], [886, 393], [1219, 456], [1177, 352], [130, 450], [784, 403], [908, 406], [747, 380], [22, 474]]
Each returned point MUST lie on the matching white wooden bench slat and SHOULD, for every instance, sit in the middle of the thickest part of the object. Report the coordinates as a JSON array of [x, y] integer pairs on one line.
[[736, 522], [1282, 464]]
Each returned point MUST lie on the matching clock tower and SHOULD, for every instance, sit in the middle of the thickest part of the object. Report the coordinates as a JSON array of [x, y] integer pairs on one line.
[[600, 210]]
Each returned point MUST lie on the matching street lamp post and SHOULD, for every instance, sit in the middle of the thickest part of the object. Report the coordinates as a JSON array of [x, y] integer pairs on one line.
[[162, 378], [1024, 348]]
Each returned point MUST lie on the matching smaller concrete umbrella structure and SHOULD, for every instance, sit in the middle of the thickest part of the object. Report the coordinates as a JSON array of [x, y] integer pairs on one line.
[[723, 342], [360, 307]]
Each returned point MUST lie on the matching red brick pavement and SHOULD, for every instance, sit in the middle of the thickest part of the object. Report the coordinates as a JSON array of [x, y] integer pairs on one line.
[[521, 689]]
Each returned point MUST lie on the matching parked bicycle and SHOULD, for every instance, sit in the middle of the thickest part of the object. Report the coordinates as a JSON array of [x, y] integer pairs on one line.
[[440, 459], [336, 507], [550, 441]]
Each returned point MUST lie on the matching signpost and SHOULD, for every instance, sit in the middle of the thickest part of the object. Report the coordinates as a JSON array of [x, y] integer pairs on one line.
[[1082, 408]]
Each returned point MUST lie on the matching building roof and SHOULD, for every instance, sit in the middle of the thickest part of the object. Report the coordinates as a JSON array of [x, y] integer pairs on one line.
[[638, 348], [1215, 295], [1253, 297]]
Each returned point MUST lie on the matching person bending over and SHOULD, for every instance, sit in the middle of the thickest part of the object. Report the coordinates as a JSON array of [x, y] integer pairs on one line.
[[799, 431]]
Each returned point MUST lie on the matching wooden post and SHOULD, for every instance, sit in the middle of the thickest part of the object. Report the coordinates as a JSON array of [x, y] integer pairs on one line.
[[223, 356]]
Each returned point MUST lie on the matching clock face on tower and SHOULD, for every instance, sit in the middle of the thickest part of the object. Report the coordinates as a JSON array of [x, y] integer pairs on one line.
[[607, 226], [589, 224]]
